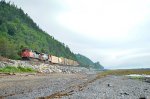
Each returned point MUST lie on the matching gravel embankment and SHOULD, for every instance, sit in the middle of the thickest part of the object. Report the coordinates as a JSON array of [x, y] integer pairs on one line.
[[72, 86], [45, 67]]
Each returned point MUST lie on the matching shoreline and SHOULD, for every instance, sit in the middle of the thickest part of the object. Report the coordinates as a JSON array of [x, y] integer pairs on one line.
[[66, 86]]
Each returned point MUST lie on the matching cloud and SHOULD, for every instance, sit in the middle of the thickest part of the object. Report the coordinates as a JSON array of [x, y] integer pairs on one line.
[[103, 20]]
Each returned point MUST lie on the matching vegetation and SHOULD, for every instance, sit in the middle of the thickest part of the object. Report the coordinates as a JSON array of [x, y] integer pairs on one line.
[[86, 62], [136, 77], [125, 72], [17, 31], [12, 69], [122, 72]]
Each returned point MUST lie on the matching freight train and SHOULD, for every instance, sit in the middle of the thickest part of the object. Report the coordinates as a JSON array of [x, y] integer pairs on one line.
[[28, 54]]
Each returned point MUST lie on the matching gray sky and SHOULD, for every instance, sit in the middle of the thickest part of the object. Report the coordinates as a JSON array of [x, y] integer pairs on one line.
[[114, 32]]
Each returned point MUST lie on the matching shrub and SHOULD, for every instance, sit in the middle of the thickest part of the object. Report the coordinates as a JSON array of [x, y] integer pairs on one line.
[[12, 69]]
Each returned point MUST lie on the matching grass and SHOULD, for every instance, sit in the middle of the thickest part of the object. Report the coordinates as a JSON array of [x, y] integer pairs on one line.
[[123, 72], [136, 77], [12, 69]]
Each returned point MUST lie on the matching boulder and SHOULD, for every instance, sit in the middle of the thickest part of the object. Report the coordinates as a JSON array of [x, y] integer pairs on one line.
[[2, 65]]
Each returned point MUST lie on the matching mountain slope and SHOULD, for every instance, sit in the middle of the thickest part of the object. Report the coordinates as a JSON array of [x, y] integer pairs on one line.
[[17, 30], [86, 62]]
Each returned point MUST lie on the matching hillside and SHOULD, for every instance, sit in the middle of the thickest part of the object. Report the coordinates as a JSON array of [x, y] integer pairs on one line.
[[86, 62], [18, 30]]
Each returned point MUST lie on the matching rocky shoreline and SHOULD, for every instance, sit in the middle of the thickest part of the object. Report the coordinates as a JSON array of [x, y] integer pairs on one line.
[[114, 87], [72, 86]]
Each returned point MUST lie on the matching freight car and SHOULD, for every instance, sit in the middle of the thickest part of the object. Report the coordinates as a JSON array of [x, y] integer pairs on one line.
[[28, 54]]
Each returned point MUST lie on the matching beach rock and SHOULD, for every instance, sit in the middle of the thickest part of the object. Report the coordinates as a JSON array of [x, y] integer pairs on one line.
[[2, 65]]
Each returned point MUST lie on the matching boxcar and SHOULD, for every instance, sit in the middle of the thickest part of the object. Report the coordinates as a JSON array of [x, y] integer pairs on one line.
[[54, 59]]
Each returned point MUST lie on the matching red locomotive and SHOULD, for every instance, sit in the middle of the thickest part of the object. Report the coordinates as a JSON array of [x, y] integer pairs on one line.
[[26, 54]]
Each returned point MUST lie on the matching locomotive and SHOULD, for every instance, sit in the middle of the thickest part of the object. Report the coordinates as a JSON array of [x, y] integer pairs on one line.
[[28, 54]]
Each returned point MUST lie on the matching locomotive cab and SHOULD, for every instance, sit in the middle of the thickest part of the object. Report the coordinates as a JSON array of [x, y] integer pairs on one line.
[[26, 54]]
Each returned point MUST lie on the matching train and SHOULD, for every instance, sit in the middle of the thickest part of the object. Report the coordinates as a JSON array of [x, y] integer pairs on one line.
[[28, 54]]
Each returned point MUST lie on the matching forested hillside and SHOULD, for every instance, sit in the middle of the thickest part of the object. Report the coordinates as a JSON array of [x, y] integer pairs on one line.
[[86, 62], [18, 30]]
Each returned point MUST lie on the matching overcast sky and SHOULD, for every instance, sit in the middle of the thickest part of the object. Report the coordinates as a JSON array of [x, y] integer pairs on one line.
[[114, 32]]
